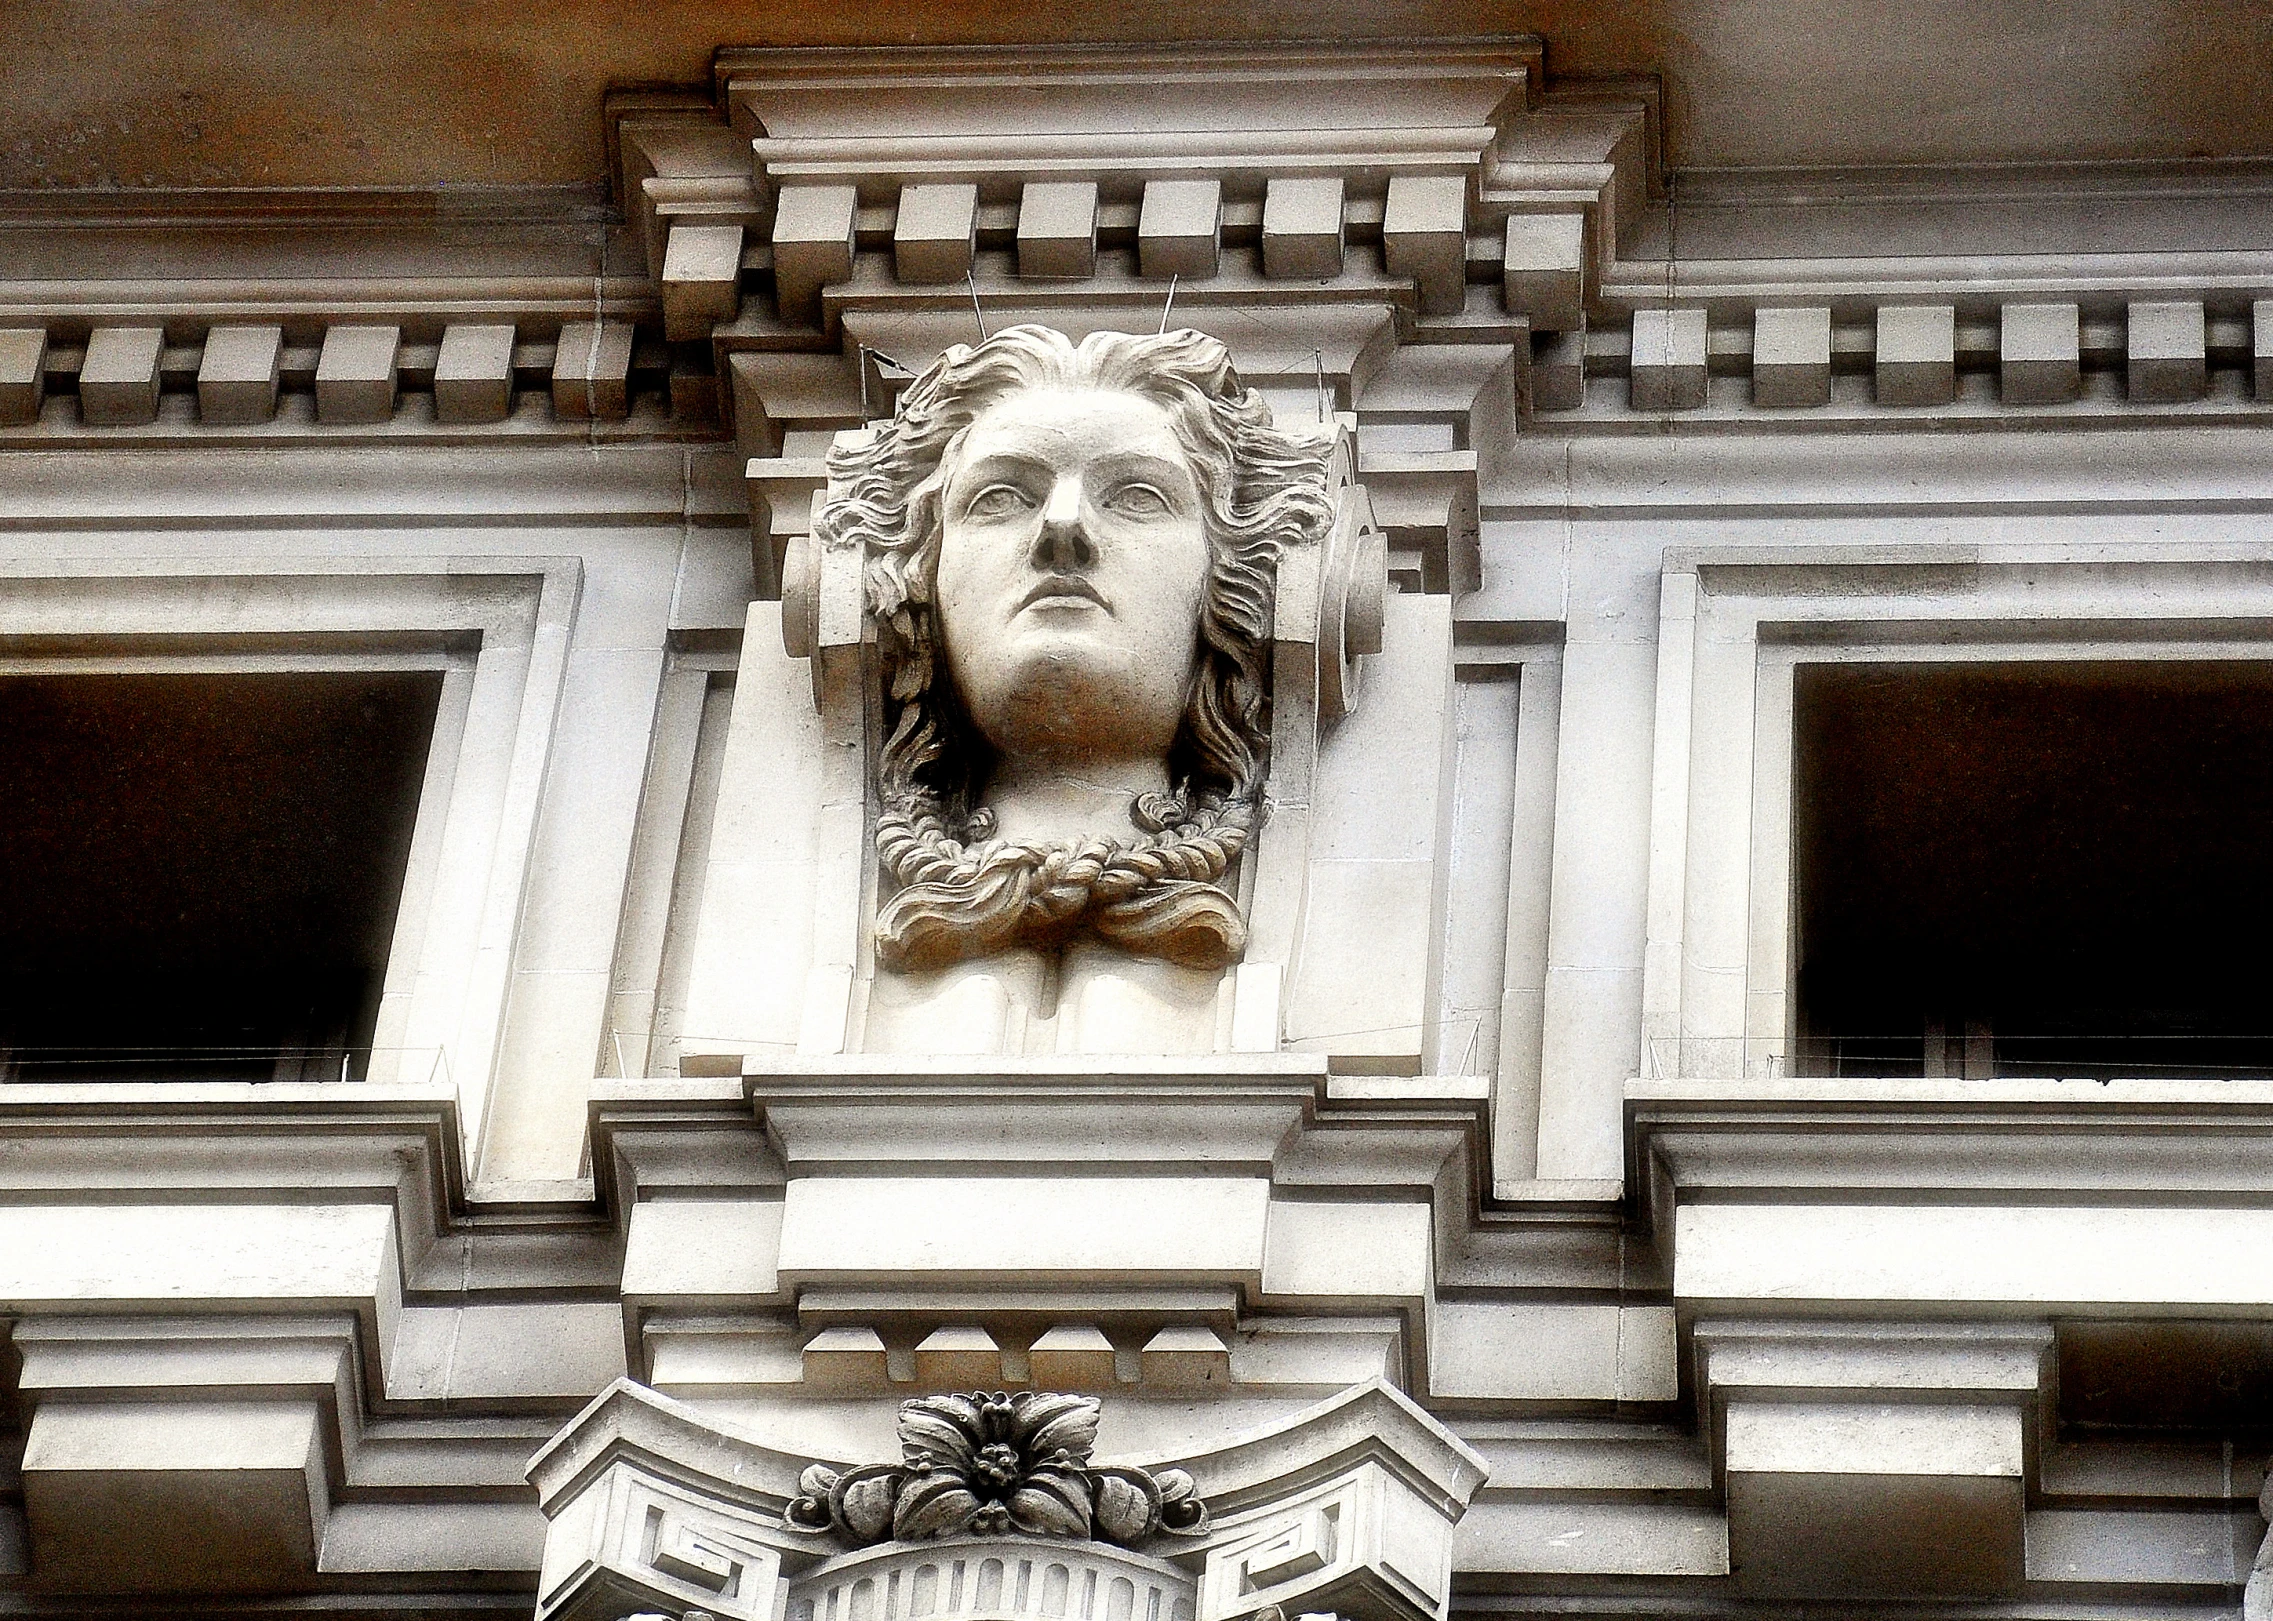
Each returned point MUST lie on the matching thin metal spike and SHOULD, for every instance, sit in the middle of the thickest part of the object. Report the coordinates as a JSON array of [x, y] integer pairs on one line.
[[977, 314], [1165, 308]]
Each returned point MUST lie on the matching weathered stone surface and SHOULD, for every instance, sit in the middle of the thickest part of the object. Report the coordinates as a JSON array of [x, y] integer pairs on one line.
[[238, 377], [1544, 273], [473, 373], [23, 374], [1791, 357], [591, 370], [1424, 235], [1916, 354], [2038, 348], [812, 246], [935, 232], [1668, 360], [240, 1483], [356, 377], [702, 279], [1180, 228], [1057, 228], [2165, 348], [1302, 227], [118, 379]]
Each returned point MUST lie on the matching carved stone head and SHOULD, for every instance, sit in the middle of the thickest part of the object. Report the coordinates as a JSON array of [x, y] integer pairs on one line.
[[1068, 557]]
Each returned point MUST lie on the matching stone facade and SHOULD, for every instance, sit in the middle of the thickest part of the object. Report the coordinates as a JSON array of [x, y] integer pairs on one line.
[[861, 1109]]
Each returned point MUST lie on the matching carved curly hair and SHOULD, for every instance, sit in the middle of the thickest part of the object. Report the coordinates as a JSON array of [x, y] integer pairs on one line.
[[962, 892]]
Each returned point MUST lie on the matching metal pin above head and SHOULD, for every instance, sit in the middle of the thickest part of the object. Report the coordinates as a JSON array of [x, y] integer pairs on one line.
[[1318, 362], [1171, 304], [971, 281]]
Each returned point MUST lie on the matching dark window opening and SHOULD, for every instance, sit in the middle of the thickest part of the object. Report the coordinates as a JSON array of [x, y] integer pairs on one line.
[[2049, 869], [203, 870]]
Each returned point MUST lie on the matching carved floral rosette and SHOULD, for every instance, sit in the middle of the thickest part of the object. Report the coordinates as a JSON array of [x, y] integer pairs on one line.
[[998, 1465]]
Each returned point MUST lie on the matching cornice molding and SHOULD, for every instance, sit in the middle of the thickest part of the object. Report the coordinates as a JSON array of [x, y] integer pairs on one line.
[[2016, 1145], [2022, 1142], [1526, 212]]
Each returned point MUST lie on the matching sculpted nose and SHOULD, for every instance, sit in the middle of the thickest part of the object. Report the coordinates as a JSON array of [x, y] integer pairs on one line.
[[1064, 541]]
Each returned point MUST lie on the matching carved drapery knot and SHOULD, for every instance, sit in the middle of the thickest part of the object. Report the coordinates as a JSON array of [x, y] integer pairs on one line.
[[997, 1465], [1155, 896]]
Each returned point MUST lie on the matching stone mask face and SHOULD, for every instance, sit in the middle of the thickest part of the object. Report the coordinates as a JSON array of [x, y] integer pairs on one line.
[[1072, 566]]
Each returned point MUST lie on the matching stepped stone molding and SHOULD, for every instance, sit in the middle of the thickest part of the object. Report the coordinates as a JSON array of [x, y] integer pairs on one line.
[[225, 1301], [765, 212], [1231, 156], [1893, 1292], [1140, 1227], [1831, 1490], [2012, 1144]]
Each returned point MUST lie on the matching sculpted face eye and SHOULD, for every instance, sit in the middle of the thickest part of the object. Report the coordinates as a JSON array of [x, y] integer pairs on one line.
[[997, 501], [1138, 501]]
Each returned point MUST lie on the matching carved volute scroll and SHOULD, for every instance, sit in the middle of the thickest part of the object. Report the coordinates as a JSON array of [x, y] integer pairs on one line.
[[1070, 598]]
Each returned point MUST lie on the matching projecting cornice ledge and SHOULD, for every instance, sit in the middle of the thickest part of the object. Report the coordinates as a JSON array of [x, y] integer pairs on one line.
[[1998, 1198], [1448, 163], [1890, 1295], [231, 1307]]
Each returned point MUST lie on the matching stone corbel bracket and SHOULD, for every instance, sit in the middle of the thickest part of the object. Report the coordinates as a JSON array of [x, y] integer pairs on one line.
[[223, 1299], [686, 184], [1328, 615], [1347, 1506], [1151, 1227]]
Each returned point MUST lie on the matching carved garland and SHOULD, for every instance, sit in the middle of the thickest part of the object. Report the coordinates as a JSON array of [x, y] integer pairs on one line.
[[995, 1465]]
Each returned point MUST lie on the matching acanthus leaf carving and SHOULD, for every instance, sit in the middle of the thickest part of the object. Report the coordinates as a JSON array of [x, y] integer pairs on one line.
[[998, 1464]]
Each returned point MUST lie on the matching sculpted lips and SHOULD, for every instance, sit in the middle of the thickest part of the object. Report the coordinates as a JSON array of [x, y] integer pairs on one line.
[[1055, 586]]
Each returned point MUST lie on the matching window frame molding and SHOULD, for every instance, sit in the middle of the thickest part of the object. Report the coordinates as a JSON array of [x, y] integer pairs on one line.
[[498, 629], [1735, 623]]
